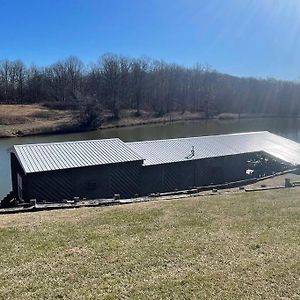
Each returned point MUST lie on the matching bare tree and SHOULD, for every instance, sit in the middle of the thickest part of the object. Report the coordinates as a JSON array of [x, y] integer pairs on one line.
[[74, 73], [4, 77], [110, 83], [117, 82]]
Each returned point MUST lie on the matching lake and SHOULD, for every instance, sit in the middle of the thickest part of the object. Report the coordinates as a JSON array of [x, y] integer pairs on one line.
[[286, 127]]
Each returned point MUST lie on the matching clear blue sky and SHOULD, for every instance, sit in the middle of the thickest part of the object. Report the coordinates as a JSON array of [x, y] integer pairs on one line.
[[241, 37]]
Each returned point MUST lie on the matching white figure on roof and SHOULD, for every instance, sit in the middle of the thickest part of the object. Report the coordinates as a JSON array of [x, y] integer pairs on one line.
[[192, 154]]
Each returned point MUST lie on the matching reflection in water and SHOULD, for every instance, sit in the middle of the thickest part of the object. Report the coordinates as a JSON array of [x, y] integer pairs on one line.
[[283, 126]]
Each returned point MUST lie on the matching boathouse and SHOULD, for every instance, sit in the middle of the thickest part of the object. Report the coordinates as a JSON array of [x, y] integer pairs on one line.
[[185, 163], [96, 169], [85, 169]]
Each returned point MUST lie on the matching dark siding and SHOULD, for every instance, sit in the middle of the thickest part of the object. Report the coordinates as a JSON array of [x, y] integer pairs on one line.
[[89, 182], [179, 176], [105, 181], [222, 169], [168, 177], [125, 180], [49, 186], [151, 180], [128, 179], [15, 169], [209, 171], [235, 167], [194, 173]]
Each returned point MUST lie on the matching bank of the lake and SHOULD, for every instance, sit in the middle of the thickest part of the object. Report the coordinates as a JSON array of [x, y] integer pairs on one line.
[[21, 120], [27, 120], [35, 119]]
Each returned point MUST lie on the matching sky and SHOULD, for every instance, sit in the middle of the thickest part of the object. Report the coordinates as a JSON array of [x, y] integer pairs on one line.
[[258, 38]]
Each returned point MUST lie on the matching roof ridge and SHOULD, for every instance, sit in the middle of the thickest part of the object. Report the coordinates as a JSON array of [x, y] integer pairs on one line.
[[67, 142]]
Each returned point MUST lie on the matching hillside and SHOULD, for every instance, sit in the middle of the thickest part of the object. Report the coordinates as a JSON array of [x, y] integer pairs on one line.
[[243, 245], [19, 120]]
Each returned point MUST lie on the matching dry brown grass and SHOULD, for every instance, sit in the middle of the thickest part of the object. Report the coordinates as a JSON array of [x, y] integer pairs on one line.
[[12, 119], [32, 119], [37, 119], [21, 110], [234, 246]]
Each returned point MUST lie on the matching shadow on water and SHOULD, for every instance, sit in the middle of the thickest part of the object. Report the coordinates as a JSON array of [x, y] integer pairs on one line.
[[287, 127]]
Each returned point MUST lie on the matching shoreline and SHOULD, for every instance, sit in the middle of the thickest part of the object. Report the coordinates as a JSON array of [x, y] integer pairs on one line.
[[76, 129], [71, 126]]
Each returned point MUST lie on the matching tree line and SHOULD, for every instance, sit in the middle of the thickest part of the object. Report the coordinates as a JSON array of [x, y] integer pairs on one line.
[[117, 82]]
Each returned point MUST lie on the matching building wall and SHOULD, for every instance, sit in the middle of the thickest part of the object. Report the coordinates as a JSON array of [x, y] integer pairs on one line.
[[122, 178], [89, 182], [167, 177], [193, 173], [17, 169], [221, 169], [50, 186], [128, 179]]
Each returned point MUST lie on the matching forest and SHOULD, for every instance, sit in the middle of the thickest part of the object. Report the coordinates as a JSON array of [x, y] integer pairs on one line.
[[117, 82]]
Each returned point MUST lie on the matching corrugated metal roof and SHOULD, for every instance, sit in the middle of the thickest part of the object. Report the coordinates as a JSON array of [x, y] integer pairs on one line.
[[176, 150], [65, 155]]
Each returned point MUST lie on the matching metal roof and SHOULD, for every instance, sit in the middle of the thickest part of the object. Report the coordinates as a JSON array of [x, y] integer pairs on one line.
[[65, 155], [177, 150]]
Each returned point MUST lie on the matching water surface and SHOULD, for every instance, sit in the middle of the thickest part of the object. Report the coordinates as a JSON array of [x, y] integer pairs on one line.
[[286, 127]]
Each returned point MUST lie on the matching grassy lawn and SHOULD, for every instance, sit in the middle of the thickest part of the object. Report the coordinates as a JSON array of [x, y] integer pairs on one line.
[[234, 246]]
